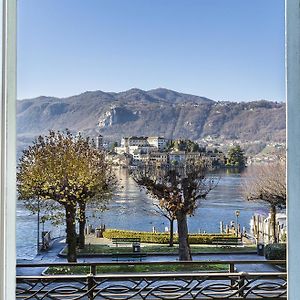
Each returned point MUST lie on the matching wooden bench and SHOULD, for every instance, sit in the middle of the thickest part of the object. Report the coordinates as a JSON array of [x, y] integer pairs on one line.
[[230, 241], [118, 241], [128, 256], [132, 256]]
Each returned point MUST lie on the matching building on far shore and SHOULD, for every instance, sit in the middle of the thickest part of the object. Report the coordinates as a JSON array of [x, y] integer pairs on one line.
[[99, 142], [177, 157], [159, 158], [147, 144], [158, 142], [153, 150]]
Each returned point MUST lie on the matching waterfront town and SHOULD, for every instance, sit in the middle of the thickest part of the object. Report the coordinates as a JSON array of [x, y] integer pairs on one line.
[[136, 150]]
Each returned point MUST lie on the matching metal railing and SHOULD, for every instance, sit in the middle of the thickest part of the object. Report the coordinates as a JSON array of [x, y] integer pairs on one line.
[[176, 285]]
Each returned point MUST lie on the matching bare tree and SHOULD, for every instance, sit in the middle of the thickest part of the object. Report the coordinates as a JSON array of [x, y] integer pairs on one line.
[[179, 187], [268, 183], [163, 209]]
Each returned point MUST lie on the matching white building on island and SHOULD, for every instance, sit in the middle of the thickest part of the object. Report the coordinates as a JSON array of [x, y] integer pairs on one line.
[[146, 144]]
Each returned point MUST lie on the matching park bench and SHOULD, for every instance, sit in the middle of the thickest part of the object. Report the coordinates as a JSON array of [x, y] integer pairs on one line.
[[132, 256], [122, 241], [229, 241], [128, 256]]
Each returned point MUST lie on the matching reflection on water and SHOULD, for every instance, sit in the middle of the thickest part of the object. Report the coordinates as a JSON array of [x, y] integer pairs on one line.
[[132, 208]]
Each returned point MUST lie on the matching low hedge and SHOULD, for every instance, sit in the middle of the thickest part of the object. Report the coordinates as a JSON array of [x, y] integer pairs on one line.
[[275, 251], [163, 238]]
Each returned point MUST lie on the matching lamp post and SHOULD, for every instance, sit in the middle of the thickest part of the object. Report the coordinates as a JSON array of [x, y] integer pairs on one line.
[[38, 225], [43, 233], [237, 214]]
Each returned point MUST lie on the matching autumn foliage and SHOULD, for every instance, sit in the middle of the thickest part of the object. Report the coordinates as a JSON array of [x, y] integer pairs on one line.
[[67, 170]]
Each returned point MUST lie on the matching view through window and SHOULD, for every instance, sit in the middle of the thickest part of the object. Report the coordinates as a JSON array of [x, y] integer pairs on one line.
[[162, 139]]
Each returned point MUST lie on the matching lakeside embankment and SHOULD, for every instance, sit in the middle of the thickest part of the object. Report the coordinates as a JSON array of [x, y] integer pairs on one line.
[[132, 209]]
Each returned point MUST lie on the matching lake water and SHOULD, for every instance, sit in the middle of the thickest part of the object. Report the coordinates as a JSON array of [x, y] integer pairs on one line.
[[132, 208]]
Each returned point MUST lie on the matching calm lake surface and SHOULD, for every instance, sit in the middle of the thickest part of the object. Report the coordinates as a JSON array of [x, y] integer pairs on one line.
[[132, 208]]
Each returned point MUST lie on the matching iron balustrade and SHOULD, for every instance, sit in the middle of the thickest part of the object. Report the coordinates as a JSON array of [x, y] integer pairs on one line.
[[176, 285]]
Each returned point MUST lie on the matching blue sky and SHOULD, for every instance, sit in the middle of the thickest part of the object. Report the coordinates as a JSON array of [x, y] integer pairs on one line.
[[222, 49]]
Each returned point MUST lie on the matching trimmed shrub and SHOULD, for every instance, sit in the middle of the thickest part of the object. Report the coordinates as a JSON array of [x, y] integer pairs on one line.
[[163, 238], [275, 251]]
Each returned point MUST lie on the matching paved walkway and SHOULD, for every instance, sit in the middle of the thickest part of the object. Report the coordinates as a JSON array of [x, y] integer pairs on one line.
[[43, 257], [59, 244]]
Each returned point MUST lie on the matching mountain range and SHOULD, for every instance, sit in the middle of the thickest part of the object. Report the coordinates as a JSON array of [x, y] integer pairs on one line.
[[155, 112]]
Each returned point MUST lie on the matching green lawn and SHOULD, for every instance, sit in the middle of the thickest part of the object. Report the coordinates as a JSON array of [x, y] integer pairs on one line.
[[105, 249], [145, 268]]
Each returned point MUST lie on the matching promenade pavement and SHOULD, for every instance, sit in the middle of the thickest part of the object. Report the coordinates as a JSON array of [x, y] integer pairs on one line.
[[51, 256], [48, 256]]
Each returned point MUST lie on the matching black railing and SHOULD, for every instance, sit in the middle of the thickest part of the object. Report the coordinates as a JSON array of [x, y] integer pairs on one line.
[[176, 285]]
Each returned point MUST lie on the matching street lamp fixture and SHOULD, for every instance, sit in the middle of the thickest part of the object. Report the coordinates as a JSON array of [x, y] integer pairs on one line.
[[237, 214]]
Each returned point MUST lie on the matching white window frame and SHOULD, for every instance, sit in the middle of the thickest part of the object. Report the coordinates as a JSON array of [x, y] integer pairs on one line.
[[8, 147], [292, 52], [8, 150]]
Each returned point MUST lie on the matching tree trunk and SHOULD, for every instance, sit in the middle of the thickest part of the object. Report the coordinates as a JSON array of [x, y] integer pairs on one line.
[[273, 223], [82, 222], [184, 247], [171, 240], [71, 233]]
